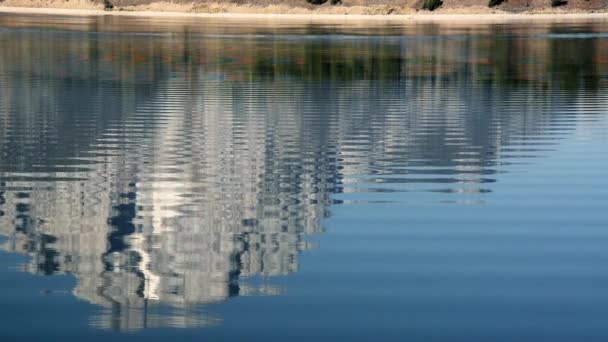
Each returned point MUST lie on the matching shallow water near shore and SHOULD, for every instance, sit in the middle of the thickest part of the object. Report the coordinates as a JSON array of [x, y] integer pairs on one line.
[[242, 180]]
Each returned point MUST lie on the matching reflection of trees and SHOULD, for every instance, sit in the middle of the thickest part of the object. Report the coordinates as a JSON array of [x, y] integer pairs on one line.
[[574, 61], [428, 50], [167, 170]]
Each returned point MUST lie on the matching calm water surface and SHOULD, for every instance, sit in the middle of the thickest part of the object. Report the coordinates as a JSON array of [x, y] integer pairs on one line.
[[200, 180]]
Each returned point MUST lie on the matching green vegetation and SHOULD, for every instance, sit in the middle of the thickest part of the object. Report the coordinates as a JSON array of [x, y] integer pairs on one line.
[[321, 2], [431, 5], [557, 3], [493, 3], [107, 5]]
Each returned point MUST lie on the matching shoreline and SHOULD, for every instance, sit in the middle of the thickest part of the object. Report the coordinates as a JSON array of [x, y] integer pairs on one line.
[[498, 16]]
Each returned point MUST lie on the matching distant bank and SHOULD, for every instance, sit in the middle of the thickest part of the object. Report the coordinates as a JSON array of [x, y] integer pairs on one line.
[[323, 9]]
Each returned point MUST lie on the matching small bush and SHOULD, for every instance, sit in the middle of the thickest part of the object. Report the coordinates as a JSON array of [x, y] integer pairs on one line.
[[557, 3], [431, 5], [107, 5], [493, 3]]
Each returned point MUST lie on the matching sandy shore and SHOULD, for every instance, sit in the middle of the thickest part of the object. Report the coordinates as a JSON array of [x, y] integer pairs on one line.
[[499, 16]]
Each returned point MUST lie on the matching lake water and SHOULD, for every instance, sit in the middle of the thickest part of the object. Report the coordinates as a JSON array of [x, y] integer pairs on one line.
[[194, 179]]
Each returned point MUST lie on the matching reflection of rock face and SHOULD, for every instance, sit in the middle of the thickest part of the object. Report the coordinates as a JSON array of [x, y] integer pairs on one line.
[[177, 220], [179, 179]]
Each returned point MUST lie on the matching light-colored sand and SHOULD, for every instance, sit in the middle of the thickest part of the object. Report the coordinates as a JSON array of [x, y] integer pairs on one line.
[[86, 8], [46, 4]]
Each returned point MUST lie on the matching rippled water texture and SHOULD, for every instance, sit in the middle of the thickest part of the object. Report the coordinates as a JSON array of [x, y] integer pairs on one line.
[[205, 180]]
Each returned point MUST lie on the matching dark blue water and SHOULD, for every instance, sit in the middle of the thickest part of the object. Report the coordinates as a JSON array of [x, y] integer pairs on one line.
[[275, 181]]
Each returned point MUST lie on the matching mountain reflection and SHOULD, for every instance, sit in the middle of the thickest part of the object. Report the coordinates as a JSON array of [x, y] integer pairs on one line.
[[169, 170]]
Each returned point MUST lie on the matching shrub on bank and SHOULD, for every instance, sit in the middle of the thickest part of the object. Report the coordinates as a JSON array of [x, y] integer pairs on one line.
[[557, 3], [107, 5], [321, 2], [431, 5], [493, 3]]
